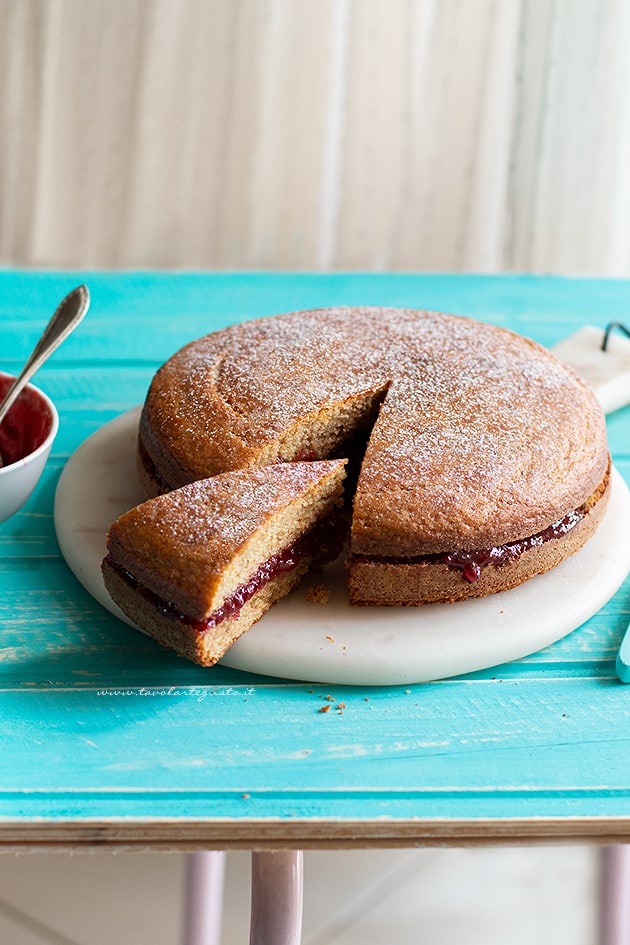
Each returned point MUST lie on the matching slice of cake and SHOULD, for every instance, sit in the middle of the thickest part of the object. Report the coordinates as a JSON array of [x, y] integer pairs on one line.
[[195, 568]]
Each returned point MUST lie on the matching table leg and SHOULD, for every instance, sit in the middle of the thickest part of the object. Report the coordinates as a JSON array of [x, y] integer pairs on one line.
[[203, 897], [277, 892], [615, 895]]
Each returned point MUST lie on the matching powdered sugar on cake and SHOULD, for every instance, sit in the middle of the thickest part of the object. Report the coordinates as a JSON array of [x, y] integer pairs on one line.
[[197, 514], [482, 437]]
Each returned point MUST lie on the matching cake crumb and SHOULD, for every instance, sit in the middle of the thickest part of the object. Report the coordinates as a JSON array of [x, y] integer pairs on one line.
[[318, 594], [324, 708]]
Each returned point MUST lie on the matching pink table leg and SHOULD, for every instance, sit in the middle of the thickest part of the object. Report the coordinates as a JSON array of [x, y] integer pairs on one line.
[[615, 895], [203, 900], [277, 891]]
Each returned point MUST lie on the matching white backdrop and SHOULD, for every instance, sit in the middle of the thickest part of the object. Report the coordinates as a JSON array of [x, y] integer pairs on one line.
[[479, 135]]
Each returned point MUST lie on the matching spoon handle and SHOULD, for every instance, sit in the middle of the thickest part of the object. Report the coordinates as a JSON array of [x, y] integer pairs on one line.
[[67, 316]]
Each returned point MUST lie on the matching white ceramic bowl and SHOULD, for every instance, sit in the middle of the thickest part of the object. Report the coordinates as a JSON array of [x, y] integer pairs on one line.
[[26, 437]]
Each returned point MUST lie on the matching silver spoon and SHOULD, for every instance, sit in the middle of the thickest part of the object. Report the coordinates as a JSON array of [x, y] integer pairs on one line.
[[67, 316]]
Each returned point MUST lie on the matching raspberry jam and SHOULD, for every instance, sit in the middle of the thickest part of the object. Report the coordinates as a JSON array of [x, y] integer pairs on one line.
[[286, 560], [26, 425], [323, 542], [470, 563]]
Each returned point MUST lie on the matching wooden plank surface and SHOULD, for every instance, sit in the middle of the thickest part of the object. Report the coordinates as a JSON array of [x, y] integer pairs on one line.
[[106, 738]]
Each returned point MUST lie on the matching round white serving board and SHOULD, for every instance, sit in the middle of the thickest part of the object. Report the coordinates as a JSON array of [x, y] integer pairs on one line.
[[336, 643]]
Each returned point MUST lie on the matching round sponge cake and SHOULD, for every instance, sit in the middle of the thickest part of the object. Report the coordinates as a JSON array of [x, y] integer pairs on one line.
[[471, 439]]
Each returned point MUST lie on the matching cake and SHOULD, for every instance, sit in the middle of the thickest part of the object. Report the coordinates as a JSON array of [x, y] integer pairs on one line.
[[196, 567], [482, 459]]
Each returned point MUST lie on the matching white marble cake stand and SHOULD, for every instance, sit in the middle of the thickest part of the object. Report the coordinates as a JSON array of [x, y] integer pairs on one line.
[[336, 643]]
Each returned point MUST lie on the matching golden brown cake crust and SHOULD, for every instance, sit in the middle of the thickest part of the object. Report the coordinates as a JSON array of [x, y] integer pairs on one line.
[[181, 546], [197, 567], [483, 437], [398, 583]]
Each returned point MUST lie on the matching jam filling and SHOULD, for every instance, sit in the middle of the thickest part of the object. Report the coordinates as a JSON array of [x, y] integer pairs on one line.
[[26, 425], [323, 542], [471, 563]]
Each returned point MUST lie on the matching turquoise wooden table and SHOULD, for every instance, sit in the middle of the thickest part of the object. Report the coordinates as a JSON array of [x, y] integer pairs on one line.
[[109, 740]]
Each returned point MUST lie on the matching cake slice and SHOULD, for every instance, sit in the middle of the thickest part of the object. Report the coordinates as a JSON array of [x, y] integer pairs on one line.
[[195, 568]]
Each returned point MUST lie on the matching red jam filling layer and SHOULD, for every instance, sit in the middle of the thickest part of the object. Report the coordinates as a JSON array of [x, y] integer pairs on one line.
[[323, 542], [26, 425], [471, 563]]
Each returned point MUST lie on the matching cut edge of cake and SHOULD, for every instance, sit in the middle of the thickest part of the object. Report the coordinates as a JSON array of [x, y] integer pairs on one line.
[[335, 430]]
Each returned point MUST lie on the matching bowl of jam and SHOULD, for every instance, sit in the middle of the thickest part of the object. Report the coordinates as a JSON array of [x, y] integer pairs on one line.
[[26, 437]]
